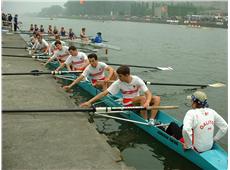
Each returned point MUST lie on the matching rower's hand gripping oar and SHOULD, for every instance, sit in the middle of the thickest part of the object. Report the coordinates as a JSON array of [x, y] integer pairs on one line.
[[215, 85]]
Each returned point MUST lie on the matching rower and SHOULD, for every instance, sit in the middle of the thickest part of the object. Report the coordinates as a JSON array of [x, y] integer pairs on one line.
[[97, 39], [36, 29], [31, 29], [130, 87], [76, 61], [55, 31], [41, 29], [83, 35], [50, 30], [32, 40], [53, 46], [96, 71], [41, 45], [62, 32], [71, 34], [61, 54]]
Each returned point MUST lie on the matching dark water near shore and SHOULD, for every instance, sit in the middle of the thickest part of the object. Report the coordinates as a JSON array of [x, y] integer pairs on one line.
[[198, 56]]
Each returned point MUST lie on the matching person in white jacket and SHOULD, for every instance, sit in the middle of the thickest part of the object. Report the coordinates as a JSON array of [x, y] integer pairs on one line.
[[198, 124]]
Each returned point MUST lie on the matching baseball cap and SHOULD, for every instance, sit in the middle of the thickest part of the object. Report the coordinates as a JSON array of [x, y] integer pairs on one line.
[[199, 97]]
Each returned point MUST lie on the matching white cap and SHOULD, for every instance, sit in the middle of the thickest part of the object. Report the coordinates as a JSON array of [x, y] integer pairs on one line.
[[199, 97]]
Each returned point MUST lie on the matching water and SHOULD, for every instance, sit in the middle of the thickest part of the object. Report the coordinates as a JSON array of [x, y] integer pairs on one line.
[[198, 56]]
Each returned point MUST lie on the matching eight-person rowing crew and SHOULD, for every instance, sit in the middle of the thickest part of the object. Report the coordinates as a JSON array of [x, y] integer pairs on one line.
[[197, 131]]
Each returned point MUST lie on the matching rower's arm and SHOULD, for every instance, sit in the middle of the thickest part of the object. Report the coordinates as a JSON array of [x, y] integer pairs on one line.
[[60, 67], [148, 96], [97, 97], [49, 60], [222, 125], [76, 81], [86, 63], [111, 72], [68, 67], [47, 48]]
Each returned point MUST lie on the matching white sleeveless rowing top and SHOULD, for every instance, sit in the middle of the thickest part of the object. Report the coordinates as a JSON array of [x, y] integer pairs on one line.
[[97, 72], [77, 61], [128, 90]]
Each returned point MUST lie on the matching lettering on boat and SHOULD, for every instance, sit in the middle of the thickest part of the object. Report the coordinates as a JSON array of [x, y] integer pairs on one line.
[[174, 141]]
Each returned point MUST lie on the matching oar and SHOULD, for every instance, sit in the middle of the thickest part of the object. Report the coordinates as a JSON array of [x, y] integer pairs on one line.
[[91, 109], [37, 72], [191, 85], [14, 47], [129, 120], [29, 33], [27, 56], [138, 66]]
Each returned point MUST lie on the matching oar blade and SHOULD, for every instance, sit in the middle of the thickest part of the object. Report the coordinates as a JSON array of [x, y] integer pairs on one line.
[[165, 68], [216, 85]]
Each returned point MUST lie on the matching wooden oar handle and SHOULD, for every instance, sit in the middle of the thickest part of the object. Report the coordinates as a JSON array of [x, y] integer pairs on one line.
[[162, 107]]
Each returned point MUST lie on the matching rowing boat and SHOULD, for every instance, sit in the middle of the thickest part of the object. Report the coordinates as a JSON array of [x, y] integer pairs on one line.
[[94, 45], [216, 158]]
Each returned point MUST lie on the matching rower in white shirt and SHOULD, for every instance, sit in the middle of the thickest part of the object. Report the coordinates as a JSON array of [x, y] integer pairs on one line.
[[41, 45], [130, 86], [61, 54], [53, 47], [198, 128], [76, 61], [96, 72]]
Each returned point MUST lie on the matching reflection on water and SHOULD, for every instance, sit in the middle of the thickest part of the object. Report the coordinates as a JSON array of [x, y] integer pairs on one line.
[[140, 149]]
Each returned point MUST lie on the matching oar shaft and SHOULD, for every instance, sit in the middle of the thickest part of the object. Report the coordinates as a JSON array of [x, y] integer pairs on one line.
[[176, 84], [12, 111], [12, 47], [19, 56], [28, 73], [137, 66], [92, 109], [41, 72], [122, 108], [26, 56]]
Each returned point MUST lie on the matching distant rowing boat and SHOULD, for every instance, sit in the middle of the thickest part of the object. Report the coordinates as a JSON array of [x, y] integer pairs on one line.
[[95, 45], [216, 158]]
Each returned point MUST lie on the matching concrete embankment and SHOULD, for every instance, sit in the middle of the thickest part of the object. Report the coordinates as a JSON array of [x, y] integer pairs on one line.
[[58, 141]]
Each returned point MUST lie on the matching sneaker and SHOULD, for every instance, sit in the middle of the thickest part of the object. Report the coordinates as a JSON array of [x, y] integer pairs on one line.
[[152, 122]]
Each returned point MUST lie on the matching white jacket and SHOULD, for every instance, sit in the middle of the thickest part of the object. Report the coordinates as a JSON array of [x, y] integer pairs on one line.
[[198, 128]]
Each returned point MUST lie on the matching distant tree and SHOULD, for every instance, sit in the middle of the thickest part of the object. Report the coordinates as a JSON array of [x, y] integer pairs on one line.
[[55, 10]]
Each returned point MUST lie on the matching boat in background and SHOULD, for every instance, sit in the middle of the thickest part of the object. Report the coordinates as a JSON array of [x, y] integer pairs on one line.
[[95, 45]]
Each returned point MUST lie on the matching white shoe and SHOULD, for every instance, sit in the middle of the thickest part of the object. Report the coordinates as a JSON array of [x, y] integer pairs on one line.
[[152, 122]]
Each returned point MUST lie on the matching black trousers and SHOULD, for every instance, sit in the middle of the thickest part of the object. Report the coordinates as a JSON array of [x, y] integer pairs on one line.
[[174, 130], [15, 27]]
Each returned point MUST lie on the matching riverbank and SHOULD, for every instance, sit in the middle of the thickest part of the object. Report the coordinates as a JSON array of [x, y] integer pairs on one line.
[[194, 24]]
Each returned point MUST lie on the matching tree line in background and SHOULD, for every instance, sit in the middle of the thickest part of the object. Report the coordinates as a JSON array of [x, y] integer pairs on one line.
[[122, 8]]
